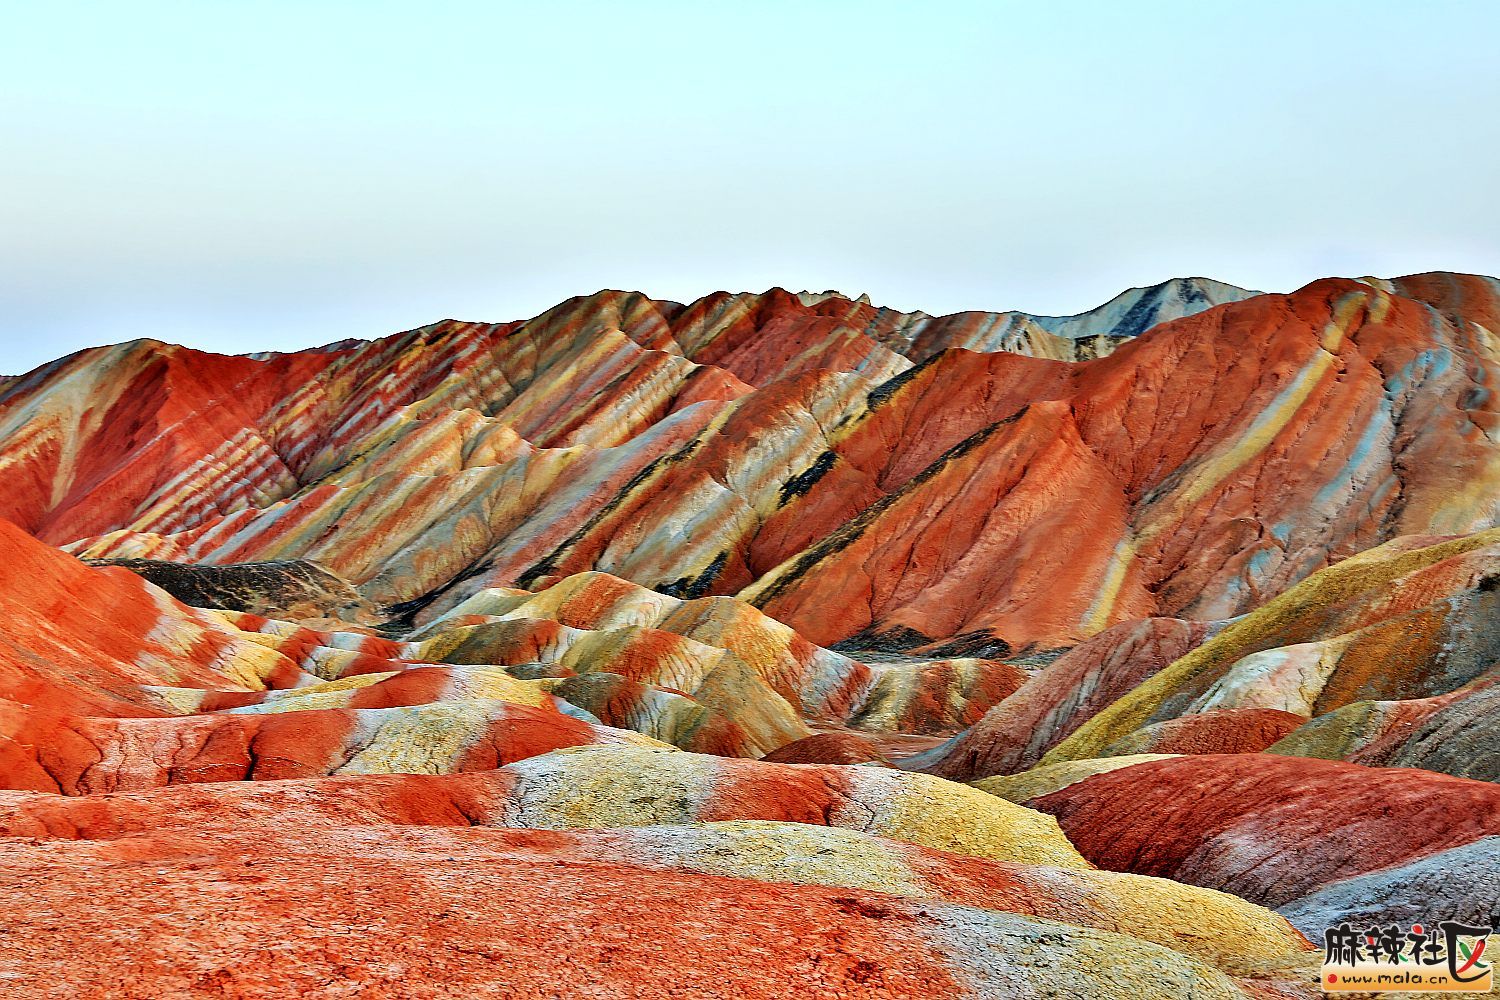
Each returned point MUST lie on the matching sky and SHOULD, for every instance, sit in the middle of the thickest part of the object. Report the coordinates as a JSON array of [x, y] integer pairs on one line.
[[268, 176]]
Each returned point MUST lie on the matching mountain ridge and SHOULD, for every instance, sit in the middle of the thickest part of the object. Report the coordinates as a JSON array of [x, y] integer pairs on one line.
[[596, 406]]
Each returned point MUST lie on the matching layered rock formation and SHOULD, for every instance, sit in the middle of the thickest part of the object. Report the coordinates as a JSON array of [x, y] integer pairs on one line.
[[660, 641], [786, 451]]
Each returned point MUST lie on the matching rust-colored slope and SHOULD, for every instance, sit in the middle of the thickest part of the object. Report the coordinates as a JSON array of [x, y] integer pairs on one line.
[[1268, 828], [969, 545], [78, 639]]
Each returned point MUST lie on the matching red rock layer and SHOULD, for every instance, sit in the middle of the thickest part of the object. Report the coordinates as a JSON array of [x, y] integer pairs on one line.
[[83, 640], [827, 748], [1245, 730], [1269, 829]]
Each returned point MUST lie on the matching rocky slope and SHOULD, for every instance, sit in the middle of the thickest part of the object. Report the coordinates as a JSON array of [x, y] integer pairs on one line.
[[778, 644]]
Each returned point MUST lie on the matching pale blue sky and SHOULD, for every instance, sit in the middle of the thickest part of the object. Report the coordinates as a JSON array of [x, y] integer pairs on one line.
[[247, 176]]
